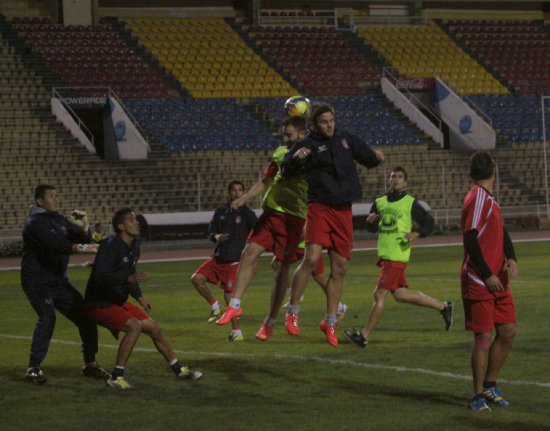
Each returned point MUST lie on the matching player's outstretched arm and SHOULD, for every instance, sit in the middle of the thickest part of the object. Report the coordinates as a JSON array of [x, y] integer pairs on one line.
[[256, 190]]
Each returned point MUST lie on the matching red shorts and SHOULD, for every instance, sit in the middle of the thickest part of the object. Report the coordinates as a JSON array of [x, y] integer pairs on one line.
[[392, 275], [223, 273], [299, 255], [115, 317], [279, 233], [330, 227], [483, 315]]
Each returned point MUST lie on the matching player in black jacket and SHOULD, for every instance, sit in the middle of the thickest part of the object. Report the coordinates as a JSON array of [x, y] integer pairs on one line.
[[327, 156], [229, 229], [48, 240], [112, 280]]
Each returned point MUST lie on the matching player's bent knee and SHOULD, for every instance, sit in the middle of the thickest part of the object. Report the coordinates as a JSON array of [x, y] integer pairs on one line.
[[132, 325], [152, 328]]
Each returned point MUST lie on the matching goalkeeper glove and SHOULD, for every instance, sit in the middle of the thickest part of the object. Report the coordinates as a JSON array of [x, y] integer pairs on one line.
[[79, 218], [87, 248]]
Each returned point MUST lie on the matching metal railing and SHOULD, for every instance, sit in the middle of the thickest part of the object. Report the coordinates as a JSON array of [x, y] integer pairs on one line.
[[107, 92], [57, 95], [387, 71]]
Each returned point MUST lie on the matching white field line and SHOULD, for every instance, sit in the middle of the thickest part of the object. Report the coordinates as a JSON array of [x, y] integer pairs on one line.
[[346, 362], [208, 252]]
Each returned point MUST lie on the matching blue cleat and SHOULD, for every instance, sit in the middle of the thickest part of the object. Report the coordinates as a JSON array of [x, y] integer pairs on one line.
[[478, 403], [493, 395]]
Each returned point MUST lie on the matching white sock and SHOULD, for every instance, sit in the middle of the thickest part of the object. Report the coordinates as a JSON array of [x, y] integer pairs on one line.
[[237, 332], [234, 303], [270, 321], [215, 306]]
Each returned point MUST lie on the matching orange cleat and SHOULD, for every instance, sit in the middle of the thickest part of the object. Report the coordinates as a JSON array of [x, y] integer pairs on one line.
[[330, 332], [291, 324], [265, 332], [229, 314]]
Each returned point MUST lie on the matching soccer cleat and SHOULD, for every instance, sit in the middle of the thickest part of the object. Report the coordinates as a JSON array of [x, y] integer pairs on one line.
[[330, 332], [214, 315], [356, 337], [35, 375], [229, 314], [478, 403], [291, 324], [235, 337], [342, 308], [493, 395], [187, 374], [447, 314], [119, 383], [96, 373], [265, 332]]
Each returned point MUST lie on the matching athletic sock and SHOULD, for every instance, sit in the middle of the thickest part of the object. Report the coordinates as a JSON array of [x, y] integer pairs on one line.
[[487, 385], [331, 319], [293, 309], [270, 321], [215, 305], [176, 366], [237, 332], [234, 303], [117, 372]]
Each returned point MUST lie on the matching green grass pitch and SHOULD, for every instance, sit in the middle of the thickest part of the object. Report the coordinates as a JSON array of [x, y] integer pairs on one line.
[[412, 376]]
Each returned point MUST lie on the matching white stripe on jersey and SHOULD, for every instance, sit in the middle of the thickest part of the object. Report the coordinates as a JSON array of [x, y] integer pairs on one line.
[[478, 208], [474, 278]]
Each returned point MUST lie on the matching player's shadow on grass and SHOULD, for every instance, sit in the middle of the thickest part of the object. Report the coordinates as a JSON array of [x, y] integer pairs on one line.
[[246, 372], [368, 389]]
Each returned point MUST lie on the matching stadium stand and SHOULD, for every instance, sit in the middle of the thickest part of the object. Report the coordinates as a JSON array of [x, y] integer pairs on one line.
[[425, 50], [516, 49], [209, 58], [320, 59], [195, 138], [94, 56]]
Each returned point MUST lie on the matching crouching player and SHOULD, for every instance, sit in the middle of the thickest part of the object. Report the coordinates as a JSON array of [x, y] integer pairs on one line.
[[112, 280]]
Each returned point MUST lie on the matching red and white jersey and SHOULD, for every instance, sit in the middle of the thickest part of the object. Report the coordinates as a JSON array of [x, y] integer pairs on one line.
[[480, 211]]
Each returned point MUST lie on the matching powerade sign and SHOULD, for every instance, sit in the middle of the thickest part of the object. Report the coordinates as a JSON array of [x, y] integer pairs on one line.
[[84, 101]]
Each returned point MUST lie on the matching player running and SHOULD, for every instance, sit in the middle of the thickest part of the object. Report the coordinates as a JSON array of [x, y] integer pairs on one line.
[[392, 216]]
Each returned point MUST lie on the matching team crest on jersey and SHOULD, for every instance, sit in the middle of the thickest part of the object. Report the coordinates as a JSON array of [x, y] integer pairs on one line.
[[345, 143], [238, 219]]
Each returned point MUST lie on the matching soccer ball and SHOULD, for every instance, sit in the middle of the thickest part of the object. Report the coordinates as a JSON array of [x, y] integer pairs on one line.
[[297, 106]]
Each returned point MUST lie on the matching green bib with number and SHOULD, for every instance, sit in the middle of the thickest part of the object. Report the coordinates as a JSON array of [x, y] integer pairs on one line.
[[394, 222]]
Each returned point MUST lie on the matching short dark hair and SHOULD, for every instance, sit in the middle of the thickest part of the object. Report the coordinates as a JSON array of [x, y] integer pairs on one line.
[[119, 216], [482, 166], [299, 123], [232, 183], [40, 191], [400, 169], [317, 109]]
